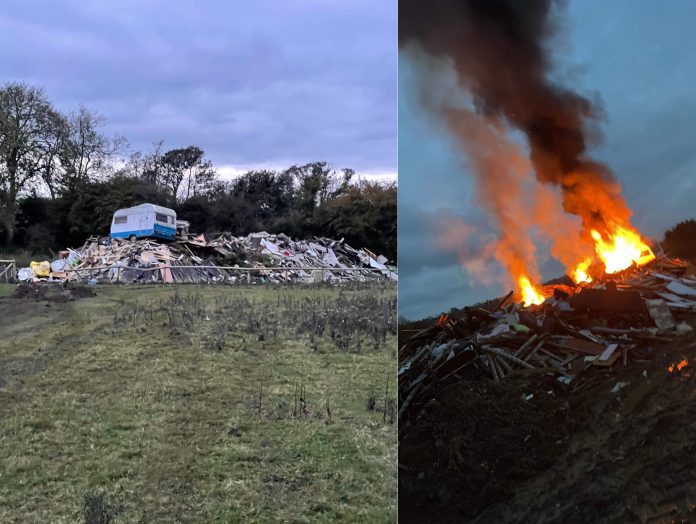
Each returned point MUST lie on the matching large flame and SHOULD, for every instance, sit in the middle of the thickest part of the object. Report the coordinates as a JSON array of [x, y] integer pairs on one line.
[[529, 293], [615, 251], [621, 249]]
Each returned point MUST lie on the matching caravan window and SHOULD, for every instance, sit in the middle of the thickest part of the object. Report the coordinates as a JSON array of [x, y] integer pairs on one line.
[[120, 220], [160, 217]]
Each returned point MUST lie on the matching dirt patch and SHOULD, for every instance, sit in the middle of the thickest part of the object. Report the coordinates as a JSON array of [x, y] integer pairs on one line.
[[29, 291], [52, 292], [621, 450]]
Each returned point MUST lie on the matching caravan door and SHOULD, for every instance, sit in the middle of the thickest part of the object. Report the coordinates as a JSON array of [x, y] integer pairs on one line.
[[142, 224]]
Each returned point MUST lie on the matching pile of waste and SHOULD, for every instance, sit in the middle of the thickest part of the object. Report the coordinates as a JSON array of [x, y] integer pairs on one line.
[[256, 258], [578, 331]]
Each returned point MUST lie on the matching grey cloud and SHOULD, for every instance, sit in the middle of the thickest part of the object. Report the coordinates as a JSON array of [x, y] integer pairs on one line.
[[262, 82]]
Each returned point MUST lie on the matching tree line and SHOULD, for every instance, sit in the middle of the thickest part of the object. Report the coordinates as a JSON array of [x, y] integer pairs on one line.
[[61, 179]]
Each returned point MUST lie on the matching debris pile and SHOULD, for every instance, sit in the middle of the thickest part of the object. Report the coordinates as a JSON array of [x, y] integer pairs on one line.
[[575, 332], [256, 258]]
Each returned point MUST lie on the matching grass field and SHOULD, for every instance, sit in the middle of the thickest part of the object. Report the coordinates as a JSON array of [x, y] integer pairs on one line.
[[198, 404]]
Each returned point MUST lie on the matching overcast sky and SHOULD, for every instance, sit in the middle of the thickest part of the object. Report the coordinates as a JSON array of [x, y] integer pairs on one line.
[[254, 84], [640, 58]]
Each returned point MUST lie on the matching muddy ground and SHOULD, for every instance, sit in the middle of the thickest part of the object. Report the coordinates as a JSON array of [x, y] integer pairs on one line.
[[482, 453]]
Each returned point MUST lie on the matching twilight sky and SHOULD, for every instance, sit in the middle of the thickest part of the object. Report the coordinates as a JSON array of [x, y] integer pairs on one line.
[[254, 84], [641, 61]]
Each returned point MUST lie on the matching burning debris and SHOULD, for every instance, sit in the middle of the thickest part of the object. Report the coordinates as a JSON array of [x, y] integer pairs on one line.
[[681, 365], [540, 408], [258, 257], [498, 52], [574, 331]]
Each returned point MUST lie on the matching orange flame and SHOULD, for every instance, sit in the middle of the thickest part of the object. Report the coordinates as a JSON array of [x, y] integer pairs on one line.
[[580, 274], [529, 293], [616, 250], [680, 366], [621, 249]]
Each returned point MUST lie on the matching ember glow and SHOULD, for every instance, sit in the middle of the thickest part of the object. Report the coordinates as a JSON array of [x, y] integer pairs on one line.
[[529, 294], [621, 249], [679, 366]]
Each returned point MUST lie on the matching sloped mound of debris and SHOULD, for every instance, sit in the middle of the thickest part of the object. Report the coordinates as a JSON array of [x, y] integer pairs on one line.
[[471, 442], [577, 410], [256, 258]]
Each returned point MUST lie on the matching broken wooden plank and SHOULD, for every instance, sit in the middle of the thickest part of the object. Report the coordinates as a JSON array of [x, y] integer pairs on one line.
[[608, 357], [577, 345], [507, 356], [532, 353], [681, 289], [524, 346]]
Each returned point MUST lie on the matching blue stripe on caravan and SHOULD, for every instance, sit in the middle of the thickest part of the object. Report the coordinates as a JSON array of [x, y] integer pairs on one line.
[[164, 231], [137, 233], [157, 231]]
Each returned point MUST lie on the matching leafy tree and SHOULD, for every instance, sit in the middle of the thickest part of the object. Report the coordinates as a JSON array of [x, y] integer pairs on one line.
[[316, 184], [365, 215], [92, 211], [271, 194], [680, 241], [186, 173]]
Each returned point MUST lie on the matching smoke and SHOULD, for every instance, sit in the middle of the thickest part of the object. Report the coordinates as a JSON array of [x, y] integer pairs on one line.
[[470, 240], [500, 53], [500, 173], [568, 244]]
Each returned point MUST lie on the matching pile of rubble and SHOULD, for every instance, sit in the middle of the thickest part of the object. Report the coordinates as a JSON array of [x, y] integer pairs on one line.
[[256, 258], [576, 331]]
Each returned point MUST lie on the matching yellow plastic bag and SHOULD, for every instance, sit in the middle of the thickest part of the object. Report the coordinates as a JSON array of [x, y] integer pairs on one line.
[[41, 269]]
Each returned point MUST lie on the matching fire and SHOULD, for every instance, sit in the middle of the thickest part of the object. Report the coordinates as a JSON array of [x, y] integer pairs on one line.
[[621, 249], [679, 366], [616, 250], [580, 274], [529, 294]]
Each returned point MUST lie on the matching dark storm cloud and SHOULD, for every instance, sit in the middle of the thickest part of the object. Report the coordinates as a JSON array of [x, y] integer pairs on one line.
[[643, 66], [250, 82]]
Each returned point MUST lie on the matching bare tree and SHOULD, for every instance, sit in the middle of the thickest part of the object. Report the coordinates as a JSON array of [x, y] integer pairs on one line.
[[85, 151], [152, 166], [29, 126]]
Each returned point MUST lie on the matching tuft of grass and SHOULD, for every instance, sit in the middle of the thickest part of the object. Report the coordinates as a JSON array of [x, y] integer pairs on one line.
[[200, 404], [97, 509]]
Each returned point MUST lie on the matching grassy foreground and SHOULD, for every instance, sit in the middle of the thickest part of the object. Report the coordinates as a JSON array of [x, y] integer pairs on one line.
[[199, 404]]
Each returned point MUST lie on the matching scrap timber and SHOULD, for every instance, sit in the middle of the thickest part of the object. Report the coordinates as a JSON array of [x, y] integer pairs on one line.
[[576, 333], [255, 258]]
